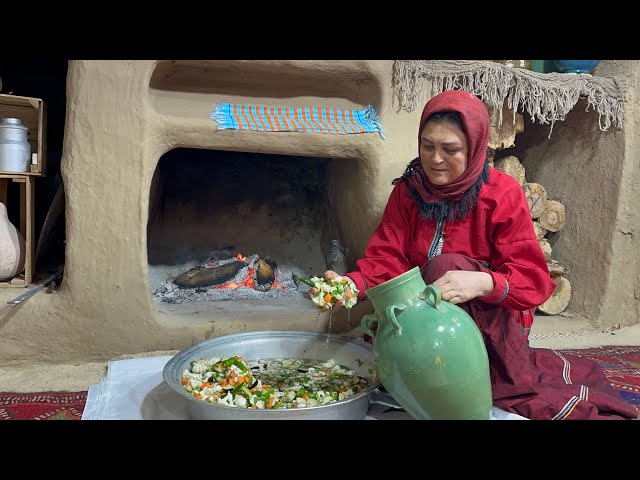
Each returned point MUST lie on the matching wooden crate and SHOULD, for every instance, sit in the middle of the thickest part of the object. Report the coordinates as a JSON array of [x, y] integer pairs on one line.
[[27, 224], [33, 114]]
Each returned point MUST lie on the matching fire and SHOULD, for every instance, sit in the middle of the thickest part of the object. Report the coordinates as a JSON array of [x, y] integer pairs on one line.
[[276, 284], [249, 281]]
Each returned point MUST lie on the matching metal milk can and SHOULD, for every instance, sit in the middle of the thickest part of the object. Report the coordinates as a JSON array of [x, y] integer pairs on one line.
[[15, 150]]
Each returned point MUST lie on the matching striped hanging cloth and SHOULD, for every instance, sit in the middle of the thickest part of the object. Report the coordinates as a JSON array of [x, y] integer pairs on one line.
[[300, 119]]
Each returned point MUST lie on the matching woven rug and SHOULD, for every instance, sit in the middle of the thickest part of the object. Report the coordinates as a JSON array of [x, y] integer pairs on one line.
[[42, 406], [301, 119], [621, 365]]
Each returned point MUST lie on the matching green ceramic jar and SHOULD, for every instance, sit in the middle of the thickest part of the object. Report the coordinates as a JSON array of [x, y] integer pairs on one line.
[[428, 353]]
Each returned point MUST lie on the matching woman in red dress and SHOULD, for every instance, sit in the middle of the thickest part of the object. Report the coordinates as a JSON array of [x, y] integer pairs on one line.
[[470, 231]]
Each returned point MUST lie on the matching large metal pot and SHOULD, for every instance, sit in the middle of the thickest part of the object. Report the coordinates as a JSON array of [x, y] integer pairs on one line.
[[355, 354]]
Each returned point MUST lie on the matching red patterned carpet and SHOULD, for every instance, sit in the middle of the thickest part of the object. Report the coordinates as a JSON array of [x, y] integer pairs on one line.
[[42, 406], [621, 366]]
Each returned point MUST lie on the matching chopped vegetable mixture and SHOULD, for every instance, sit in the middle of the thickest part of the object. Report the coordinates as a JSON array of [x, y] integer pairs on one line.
[[274, 383], [331, 291]]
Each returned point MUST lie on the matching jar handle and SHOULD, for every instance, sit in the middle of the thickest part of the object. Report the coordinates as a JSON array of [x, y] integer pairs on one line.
[[435, 292], [391, 315], [364, 323]]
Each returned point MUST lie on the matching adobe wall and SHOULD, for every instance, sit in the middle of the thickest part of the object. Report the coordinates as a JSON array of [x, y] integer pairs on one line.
[[118, 126]]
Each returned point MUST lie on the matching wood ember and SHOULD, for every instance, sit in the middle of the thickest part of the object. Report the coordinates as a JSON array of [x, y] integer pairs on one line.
[[265, 274], [203, 276]]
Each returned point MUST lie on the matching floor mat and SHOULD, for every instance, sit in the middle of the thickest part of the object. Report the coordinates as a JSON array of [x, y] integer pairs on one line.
[[42, 406], [621, 365]]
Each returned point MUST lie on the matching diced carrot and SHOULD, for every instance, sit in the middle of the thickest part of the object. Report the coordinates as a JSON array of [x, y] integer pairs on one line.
[[184, 381], [253, 389], [305, 395], [197, 395], [224, 382], [342, 389], [327, 298], [205, 385], [271, 402], [232, 374]]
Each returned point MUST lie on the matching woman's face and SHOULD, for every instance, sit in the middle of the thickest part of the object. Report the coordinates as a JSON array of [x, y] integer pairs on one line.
[[443, 151]]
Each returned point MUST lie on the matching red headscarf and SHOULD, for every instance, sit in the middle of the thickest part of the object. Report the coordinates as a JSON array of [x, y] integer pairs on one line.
[[475, 118]]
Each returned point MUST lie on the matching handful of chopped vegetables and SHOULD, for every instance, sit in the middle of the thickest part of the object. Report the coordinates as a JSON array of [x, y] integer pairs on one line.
[[332, 291]]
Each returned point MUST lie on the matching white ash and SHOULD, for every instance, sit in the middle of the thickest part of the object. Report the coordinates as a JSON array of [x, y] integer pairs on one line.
[[169, 292]]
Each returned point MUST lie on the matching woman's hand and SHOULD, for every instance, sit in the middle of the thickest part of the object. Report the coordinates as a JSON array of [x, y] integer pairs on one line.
[[459, 286], [348, 293]]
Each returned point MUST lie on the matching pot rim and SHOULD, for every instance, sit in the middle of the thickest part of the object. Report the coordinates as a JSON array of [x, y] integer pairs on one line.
[[394, 282], [189, 353]]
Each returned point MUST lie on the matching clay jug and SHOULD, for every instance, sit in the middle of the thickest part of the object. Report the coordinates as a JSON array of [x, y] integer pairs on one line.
[[428, 353], [12, 247]]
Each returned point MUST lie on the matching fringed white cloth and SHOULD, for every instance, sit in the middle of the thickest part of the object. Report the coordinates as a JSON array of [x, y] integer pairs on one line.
[[545, 97]]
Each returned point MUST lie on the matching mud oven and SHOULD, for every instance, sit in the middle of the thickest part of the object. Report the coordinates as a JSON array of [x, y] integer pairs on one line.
[[153, 189]]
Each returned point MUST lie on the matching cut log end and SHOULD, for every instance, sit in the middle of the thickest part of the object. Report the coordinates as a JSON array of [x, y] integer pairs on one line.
[[556, 268], [559, 299], [536, 198], [546, 248], [511, 166], [539, 229], [553, 216]]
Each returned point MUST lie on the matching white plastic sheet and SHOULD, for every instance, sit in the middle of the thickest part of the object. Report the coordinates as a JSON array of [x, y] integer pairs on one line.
[[134, 390]]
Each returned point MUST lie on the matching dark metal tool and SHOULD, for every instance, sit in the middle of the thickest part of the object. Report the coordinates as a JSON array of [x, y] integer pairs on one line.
[[50, 279], [297, 279]]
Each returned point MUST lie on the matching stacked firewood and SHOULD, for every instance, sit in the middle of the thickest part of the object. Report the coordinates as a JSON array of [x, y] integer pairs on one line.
[[547, 215]]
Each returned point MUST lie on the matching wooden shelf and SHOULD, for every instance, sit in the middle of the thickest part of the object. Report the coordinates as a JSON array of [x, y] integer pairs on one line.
[[27, 224], [33, 114]]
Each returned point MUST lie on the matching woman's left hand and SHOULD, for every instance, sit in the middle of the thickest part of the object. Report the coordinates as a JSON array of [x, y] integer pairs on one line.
[[459, 286]]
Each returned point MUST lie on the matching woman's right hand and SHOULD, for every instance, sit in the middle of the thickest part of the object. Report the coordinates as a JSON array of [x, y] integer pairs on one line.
[[328, 275]]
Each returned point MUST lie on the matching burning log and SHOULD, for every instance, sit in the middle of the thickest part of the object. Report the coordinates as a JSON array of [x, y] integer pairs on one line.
[[204, 277], [265, 274]]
